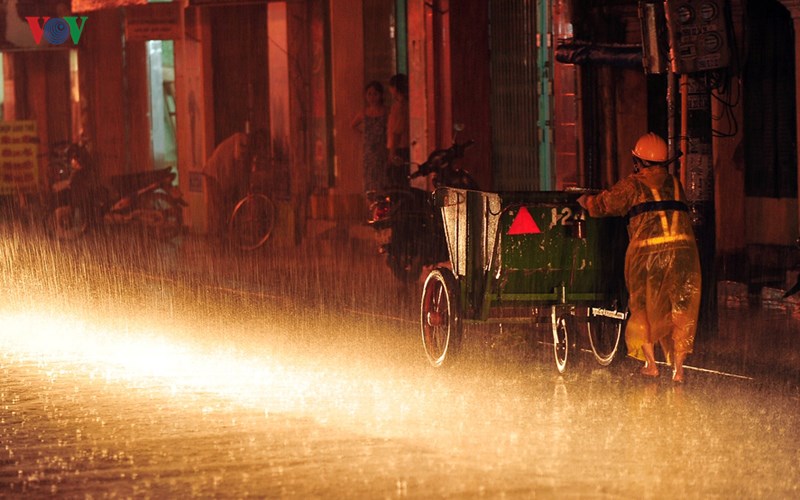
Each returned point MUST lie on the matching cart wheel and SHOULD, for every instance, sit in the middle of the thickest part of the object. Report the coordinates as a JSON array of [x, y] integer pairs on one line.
[[604, 326], [560, 341], [440, 316]]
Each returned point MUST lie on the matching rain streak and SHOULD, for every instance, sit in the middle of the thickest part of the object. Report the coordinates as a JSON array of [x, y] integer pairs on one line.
[[138, 368]]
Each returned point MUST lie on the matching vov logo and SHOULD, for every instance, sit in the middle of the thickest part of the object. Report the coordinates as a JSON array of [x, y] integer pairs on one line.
[[56, 30]]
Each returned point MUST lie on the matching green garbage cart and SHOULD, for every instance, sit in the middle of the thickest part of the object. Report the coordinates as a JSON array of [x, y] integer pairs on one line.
[[526, 257]]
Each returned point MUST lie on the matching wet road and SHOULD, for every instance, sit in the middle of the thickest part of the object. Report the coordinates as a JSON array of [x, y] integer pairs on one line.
[[126, 373]]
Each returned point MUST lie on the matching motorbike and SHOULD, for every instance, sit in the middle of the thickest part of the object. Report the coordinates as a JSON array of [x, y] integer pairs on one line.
[[408, 225], [147, 200]]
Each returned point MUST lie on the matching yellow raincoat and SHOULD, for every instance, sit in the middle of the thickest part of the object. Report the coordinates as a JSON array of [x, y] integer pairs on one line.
[[662, 266]]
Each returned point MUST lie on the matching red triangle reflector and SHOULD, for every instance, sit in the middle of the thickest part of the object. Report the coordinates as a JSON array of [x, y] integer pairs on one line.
[[523, 223]]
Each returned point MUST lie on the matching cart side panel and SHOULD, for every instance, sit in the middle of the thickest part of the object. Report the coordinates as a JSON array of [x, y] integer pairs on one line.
[[470, 220], [498, 258], [554, 251], [453, 206]]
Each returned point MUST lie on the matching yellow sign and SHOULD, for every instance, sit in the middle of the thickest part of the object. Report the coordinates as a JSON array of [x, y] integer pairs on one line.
[[19, 160]]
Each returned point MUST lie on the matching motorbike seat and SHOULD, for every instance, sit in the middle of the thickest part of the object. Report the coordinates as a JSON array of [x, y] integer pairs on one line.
[[134, 181]]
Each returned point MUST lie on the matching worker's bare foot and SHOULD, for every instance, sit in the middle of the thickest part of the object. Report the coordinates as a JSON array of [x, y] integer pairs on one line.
[[649, 370], [677, 368]]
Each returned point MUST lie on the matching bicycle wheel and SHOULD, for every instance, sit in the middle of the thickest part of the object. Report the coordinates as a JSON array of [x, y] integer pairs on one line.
[[252, 221]]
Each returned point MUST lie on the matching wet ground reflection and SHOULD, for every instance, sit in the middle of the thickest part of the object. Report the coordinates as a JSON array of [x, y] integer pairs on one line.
[[130, 384]]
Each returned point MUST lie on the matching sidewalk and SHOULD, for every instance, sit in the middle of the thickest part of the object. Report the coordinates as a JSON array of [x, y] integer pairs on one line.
[[755, 339]]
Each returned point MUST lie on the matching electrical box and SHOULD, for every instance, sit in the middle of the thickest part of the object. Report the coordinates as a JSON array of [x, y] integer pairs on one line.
[[698, 35]]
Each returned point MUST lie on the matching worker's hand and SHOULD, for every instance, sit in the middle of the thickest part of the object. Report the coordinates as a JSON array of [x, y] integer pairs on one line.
[[583, 200]]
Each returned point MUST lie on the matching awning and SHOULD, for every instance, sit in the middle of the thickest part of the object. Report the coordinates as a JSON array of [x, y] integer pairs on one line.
[[90, 5], [79, 6], [222, 3]]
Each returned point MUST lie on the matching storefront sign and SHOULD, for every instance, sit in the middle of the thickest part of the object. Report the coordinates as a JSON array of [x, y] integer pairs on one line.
[[155, 21], [19, 165]]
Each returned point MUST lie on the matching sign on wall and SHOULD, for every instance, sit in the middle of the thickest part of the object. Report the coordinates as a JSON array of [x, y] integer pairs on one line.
[[19, 165], [155, 21]]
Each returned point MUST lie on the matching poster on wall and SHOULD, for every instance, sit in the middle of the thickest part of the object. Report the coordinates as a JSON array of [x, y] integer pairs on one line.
[[19, 148]]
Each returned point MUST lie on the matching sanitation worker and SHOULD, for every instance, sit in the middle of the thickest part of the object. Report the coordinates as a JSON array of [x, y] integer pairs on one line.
[[662, 266]]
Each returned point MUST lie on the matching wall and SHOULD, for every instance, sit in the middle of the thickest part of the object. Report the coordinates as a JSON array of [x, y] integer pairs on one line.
[[471, 86], [114, 85], [347, 80]]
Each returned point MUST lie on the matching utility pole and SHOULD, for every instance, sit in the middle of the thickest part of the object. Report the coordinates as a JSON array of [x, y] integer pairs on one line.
[[697, 177], [698, 45]]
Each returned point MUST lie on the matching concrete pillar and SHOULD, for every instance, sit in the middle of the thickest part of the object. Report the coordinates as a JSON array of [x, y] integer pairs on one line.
[[422, 127], [794, 9], [101, 78], [195, 133], [347, 81], [298, 18], [471, 85]]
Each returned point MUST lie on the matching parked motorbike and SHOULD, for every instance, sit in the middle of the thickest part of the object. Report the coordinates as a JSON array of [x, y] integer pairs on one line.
[[409, 226], [147, 200]]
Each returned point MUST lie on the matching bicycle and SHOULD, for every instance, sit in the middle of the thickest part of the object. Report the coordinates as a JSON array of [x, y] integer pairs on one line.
[[253, 217]]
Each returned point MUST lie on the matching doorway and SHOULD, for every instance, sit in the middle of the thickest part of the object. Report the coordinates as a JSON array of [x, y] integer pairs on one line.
[[163, 121]]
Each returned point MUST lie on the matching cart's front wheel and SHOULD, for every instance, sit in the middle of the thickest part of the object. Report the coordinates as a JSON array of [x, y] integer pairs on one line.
[[604, 326], [560, 341], [440, 316]]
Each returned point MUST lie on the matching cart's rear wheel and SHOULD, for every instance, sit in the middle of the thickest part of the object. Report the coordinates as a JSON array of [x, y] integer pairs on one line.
[[604, 326], [561, 326], [440, 316]]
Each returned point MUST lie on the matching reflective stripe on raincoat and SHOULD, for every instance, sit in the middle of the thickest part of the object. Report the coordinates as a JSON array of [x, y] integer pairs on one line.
[[662, 266]]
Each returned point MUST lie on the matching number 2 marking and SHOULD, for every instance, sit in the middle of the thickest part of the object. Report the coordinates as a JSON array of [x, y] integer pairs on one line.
[[564, 217]]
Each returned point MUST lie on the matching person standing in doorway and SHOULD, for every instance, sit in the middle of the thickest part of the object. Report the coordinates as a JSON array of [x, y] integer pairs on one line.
[[662, 266], [397, 134], [371, 122], [227, 174]]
